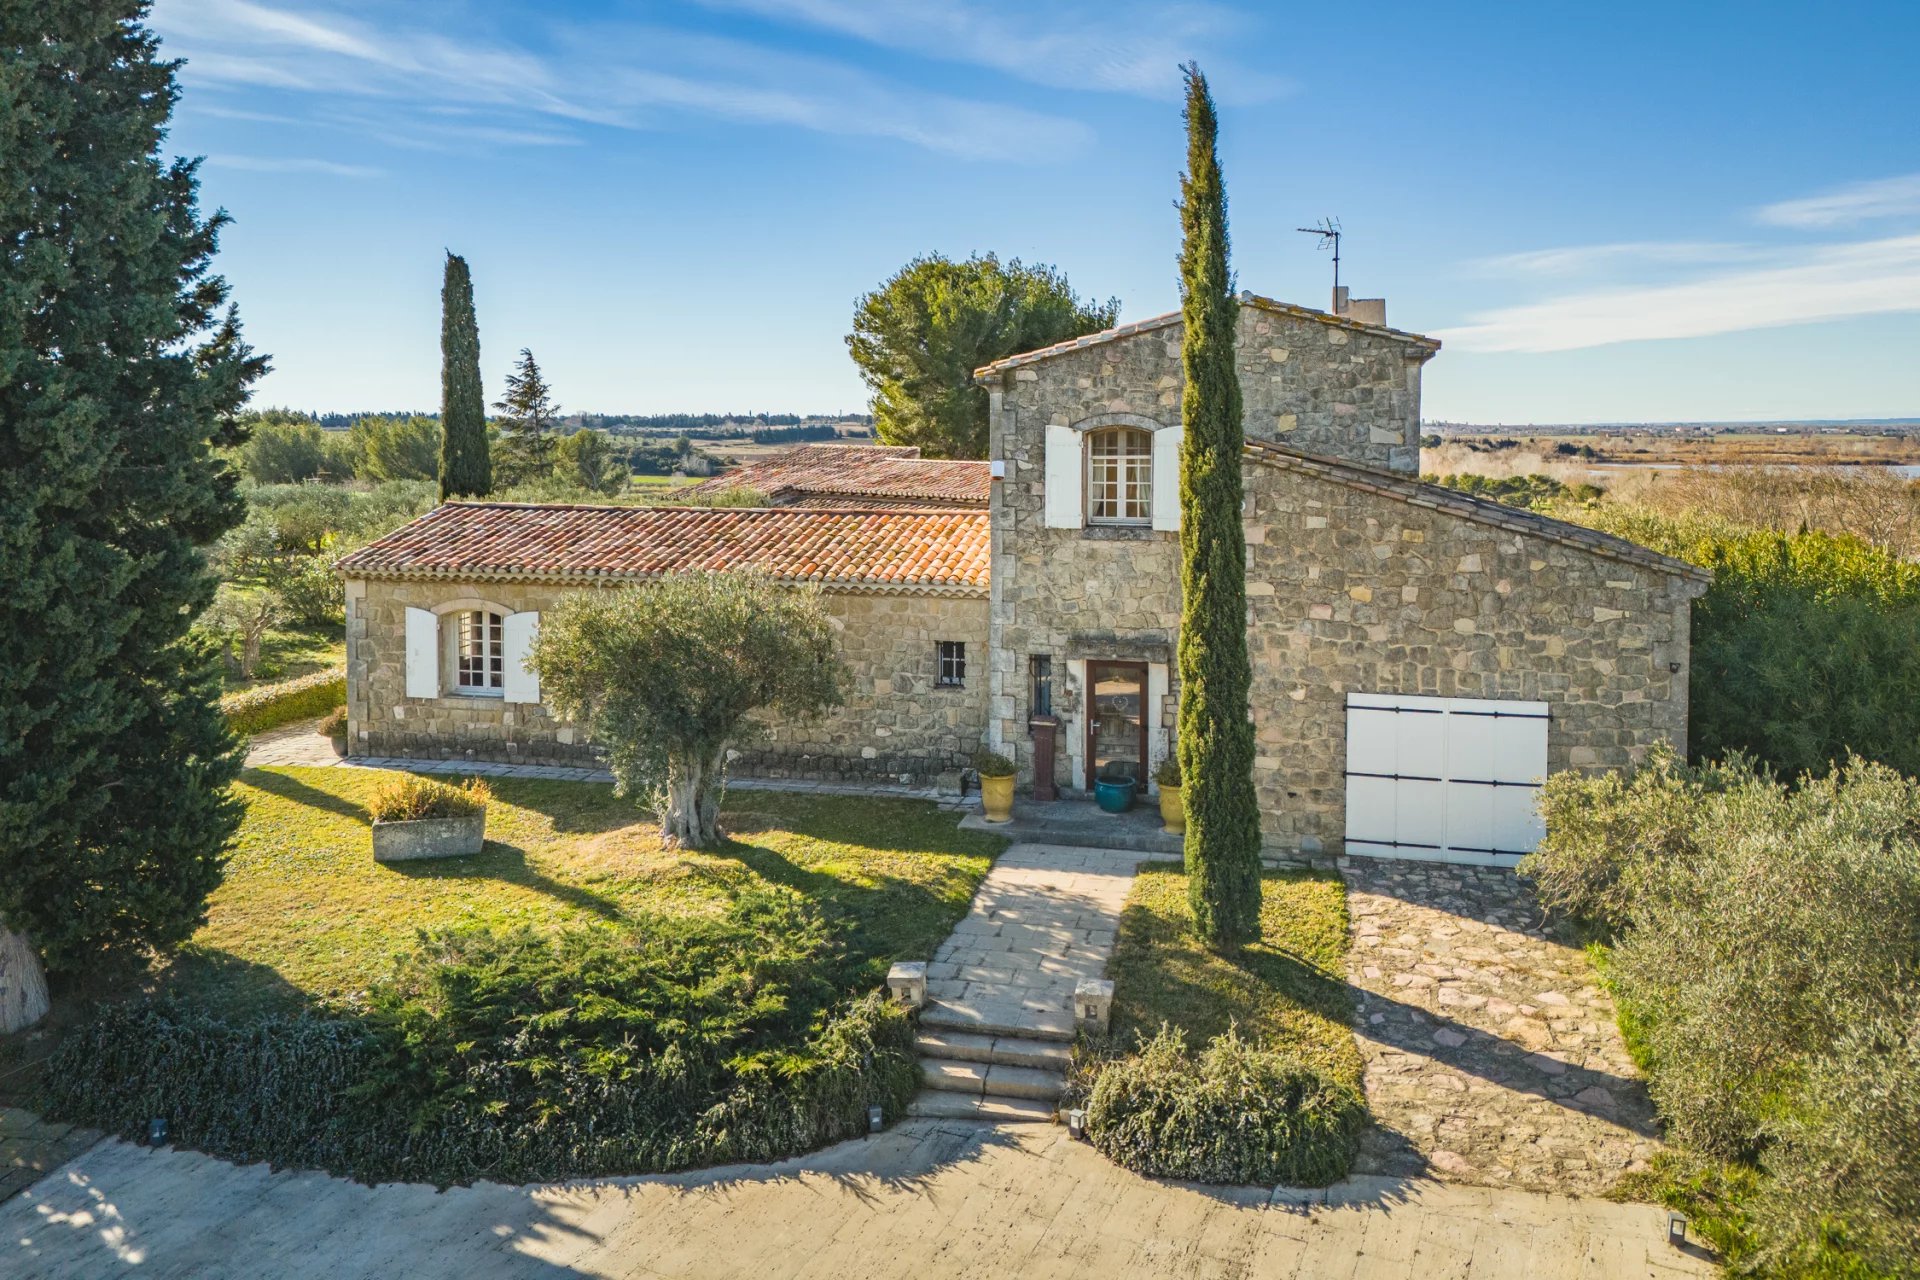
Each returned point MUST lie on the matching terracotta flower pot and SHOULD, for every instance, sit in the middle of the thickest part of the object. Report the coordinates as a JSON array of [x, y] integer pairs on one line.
[[1173, 816], [996, 797]]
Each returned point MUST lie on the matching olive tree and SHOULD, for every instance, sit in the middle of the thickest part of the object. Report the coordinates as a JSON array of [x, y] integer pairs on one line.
[[669, 675]]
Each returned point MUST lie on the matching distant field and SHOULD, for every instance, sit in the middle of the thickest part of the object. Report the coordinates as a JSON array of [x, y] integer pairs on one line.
[[1475, 453]]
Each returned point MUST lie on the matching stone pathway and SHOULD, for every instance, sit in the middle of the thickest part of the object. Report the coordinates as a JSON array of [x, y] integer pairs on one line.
[[31, 1148], [928, 1198], [995, 1034], [298, 745], [1491, 1051], [1043, 919]]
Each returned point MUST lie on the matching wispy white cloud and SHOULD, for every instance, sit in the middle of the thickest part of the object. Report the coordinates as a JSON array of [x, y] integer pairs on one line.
[[1585, 259], [293, 164], [618, 76], [1846, 206], [1829, 282], [1114, 46]]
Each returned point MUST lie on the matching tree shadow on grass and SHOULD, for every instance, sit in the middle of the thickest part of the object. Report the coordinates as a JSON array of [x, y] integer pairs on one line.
[[888, 917], [508, 864], [292, 789], [221, 981]]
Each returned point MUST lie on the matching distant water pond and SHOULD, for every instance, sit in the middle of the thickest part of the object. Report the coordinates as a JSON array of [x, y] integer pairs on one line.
[[1909, 470]]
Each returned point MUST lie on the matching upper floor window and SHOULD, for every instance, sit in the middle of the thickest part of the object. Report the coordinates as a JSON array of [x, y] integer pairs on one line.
[[480, 652], [1119, 476]]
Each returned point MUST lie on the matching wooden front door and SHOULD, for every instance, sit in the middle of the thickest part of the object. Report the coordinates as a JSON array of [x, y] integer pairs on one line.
[[1117, 722]]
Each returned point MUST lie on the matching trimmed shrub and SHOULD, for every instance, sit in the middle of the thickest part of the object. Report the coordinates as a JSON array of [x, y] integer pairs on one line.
[[669, 1044], [408, 797], [334, 725], [1234, 1114], [991, 764], [1764, 951], [269, 706]]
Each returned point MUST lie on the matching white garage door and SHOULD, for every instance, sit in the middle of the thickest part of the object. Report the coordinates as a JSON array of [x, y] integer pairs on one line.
[[1448, 779]]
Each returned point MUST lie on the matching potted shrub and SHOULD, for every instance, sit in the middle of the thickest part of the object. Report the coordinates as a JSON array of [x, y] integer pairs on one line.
[[996, 785], [334, 725], [416, 817], [1173, 817]]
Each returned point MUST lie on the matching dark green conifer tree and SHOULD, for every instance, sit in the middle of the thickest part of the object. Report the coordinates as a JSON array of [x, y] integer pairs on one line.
[[1216, 736], [121, 369], [527, 420], [466, 469]]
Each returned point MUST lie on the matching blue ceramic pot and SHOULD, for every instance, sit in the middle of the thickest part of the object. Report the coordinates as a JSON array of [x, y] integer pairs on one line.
[[1115, 795]]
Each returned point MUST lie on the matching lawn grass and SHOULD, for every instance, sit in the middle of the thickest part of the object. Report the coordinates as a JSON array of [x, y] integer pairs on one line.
[[306, 916], [1286, 992], [296, 651]]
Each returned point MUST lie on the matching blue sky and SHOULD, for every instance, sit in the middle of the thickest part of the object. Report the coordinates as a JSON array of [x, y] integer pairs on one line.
[[1620, 212]]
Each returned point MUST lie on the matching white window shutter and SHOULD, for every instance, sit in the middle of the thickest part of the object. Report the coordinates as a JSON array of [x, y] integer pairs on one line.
[[1065, 469], [423, 654], [522, 683], [1166, 477]]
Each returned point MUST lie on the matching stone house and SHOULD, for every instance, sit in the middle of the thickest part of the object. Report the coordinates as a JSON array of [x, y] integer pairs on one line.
[[1420, 658]]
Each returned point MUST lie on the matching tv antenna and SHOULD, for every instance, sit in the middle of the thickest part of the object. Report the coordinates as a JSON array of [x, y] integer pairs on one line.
[[1329, 233]]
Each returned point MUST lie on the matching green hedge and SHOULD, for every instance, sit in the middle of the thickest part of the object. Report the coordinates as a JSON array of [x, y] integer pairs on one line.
[[670, 1043], [1233, 1114], [269, 706]]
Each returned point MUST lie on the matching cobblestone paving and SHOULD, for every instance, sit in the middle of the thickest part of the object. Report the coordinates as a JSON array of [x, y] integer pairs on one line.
[[1043, 919], [299, 745], [1491, 1051], [31, 1147]]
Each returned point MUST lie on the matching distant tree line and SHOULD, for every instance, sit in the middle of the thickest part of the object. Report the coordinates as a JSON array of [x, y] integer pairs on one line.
[[713, 426]]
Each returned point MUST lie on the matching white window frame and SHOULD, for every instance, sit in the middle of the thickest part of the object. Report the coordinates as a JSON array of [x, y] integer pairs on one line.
[[491, 656], [1141, 462]]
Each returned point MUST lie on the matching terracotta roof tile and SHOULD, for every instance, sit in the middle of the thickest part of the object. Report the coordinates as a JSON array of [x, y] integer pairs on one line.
[[943, 552], [858, 471]]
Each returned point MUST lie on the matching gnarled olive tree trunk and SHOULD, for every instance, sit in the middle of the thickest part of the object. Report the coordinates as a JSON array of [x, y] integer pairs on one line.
[[23, 982], [690, 815]]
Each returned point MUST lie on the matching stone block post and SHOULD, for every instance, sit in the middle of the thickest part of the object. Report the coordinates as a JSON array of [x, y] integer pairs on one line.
[[1093, 1004], [907, 983]]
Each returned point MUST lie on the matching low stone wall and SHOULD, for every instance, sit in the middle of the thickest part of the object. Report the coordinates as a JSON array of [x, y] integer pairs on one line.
[[898, 721]]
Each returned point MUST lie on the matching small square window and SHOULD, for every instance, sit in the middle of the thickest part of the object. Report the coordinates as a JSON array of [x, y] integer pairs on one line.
[[953, 663]]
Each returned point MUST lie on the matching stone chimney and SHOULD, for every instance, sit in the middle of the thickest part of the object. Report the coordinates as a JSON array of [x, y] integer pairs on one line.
[[1359, 310]]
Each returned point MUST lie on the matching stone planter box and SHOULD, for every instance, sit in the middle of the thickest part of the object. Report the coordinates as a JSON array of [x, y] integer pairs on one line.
[[429, 838]]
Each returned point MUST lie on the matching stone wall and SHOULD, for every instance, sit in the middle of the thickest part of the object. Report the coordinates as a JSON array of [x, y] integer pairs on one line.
[[1349, 591], [1114, 592], [1356, 591], [896, 721]]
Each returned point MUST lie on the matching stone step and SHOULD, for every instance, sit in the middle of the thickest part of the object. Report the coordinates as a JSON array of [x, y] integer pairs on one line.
[[993, 1020], [943, 1075], [1012, 1051], [1080, 824], [956, 1106]]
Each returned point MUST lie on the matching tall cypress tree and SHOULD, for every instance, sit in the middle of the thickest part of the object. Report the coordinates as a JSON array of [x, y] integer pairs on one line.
[[1216, 737], [466, 469], [121, 369]]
